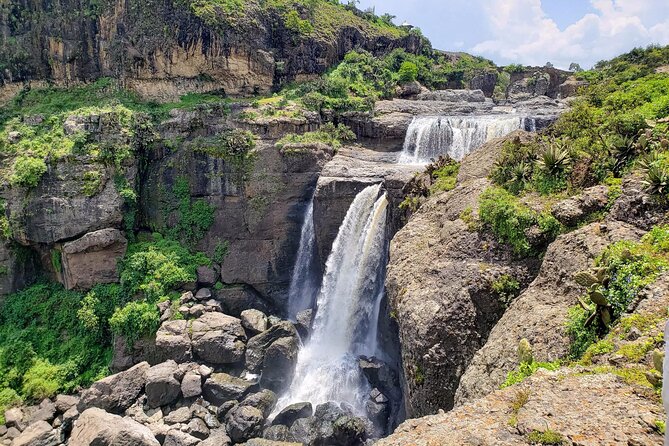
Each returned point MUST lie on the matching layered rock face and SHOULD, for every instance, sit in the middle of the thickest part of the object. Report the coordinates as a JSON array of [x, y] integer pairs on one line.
[[165, 49]]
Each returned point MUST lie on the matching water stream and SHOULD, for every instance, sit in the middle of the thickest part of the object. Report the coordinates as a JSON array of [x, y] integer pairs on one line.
[[455, 136], [304, 284], [347, 310]]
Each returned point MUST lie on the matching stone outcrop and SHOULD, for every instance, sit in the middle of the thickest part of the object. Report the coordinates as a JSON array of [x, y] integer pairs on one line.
[[580, 409], [93, 258], [441, 327], [97, 427]]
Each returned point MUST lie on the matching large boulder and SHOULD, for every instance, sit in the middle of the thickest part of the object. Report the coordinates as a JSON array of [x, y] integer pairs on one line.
[[162, 384], [574, 209], [265, 400], [279, 364], [38, 434], [93, 258], [244, 423], [95, 427], [115, 393], [221, 387], [218, 338], [173, 341], [258, 345], [292, 413], [236, 299]]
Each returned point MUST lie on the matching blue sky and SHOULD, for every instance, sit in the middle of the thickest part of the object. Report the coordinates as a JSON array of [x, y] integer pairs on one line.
[[534, 32]]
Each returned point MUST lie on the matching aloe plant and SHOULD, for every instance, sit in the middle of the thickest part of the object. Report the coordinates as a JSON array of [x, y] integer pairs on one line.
[[595, 280]]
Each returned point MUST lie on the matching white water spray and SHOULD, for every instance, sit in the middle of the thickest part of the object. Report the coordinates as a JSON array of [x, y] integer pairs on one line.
[[303, 284], [347, 310], [428, 137]]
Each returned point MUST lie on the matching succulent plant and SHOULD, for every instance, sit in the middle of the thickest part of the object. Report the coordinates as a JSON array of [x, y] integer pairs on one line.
[[554, 159], [525, 355], [658, 360], [595, 280]]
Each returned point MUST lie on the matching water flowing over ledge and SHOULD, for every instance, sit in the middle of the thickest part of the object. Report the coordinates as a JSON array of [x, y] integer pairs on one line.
[[428, 137], [347, 312], [303, 284]]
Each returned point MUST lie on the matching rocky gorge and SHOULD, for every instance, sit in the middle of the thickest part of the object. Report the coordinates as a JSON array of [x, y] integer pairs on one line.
[[314, 266]]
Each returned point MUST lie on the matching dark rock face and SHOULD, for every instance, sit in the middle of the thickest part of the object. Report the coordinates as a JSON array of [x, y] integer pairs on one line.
[[485, 82], [117, 392], [164, 50], [221, 387], [293, 413]]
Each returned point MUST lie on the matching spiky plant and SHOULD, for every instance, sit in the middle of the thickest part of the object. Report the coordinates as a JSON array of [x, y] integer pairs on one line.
[[554, 159], [624, 149], [519, 175], [656, 177]]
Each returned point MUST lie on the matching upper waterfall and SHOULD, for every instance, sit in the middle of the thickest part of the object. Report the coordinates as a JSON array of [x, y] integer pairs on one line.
[[347, 309], [428, 137]]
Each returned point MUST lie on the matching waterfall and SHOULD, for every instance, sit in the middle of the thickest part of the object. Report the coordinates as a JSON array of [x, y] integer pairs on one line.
[[455, 136], [347, 310], [303, 284]]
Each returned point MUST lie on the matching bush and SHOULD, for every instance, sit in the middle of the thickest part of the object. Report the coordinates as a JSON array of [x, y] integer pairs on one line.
[[135, 320], [408, 72], [506, 288], [328, 134], [28, 171], [507, 218], [43, 380], [527, 369]]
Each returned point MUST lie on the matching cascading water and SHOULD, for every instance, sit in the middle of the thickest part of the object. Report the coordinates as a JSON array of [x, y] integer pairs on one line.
[[428, 137], [303, 283], [347, 310]]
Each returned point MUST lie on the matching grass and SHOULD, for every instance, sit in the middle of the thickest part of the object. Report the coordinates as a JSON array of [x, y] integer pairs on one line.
[[547, 437]]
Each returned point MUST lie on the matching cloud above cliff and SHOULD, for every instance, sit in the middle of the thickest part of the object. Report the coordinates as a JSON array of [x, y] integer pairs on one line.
[[522, 31], [536, 31]]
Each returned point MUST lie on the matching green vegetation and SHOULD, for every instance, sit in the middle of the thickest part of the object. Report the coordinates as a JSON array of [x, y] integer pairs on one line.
[[193, 218], [547, 437], [408, 72], [506, 288], [626, 268], [444, 175], [328, 134], [520, 399], [660, 426], [509, 219], [527, 369], [236, 147]]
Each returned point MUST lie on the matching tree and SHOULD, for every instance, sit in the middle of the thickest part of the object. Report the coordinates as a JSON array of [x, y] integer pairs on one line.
[[576, 68], [408, 72], [549, 65]]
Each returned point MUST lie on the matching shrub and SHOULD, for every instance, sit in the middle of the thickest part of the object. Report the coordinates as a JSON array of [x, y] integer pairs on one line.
[[135, 320], [527, 369], [547, 437], [43, 380], [295, 23], [445, 176], [506, 288], [328, 134], [507, 218], [28, 171], [408, 72]]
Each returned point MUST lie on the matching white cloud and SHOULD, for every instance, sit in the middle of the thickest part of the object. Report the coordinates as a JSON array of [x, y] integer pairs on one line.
[[522, 32]]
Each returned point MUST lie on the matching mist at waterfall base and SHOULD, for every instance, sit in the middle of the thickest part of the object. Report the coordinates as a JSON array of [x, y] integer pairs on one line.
[[347, 310], [428, 137]]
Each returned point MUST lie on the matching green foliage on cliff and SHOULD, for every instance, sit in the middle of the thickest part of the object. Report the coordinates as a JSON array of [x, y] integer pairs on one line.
[[631, 267], [510, 220], [330, 134]]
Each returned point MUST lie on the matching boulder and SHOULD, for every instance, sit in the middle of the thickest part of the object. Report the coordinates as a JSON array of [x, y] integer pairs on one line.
[[197, 428], [255, 321], [15, 417], [236, 299], [267, 442], [39, 433], [203, 294], [243, 423], [95, 427], [265, 400], [279, 364], [304, 320], [173, 341], [115, 393], [179, 438], [206, 276], [45, 412], [571, 210], [292, 413], [485, 82], [218, 338], [303, 431], [258, 345], [221, 387], [180, 415], [93, 259], [277, 432], [217, 438], [191, 385], [162, 386], [65, 402]]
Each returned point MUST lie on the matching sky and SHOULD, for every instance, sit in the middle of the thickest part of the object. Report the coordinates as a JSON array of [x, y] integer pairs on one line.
[[533, 32]]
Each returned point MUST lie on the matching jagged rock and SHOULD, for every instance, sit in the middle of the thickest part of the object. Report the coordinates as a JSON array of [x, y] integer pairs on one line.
[[303, 431], [95, 427], [556, 401], [12, 433], [162, 386], [197, 428], [115, 393], [294, 412], [378, 413], [304, 321], [93, 258], [265, 400], [218, 338], [243, 423], [224, 408], [221, 387], [206, 276], [239, 298], [191, 385], [254, 321], [14, 417], [45, 412], [539, 313], [377, 396], [39, 433], [258, 345], [180, 415], [203, 294], [173, 341], [485, 82], [217, 438], [178, 438], [571, 210], [381, 377], [635, 206], [277, 432], [65, 402], [266, 442], [187, 297], [279, 364], [69, 417]]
